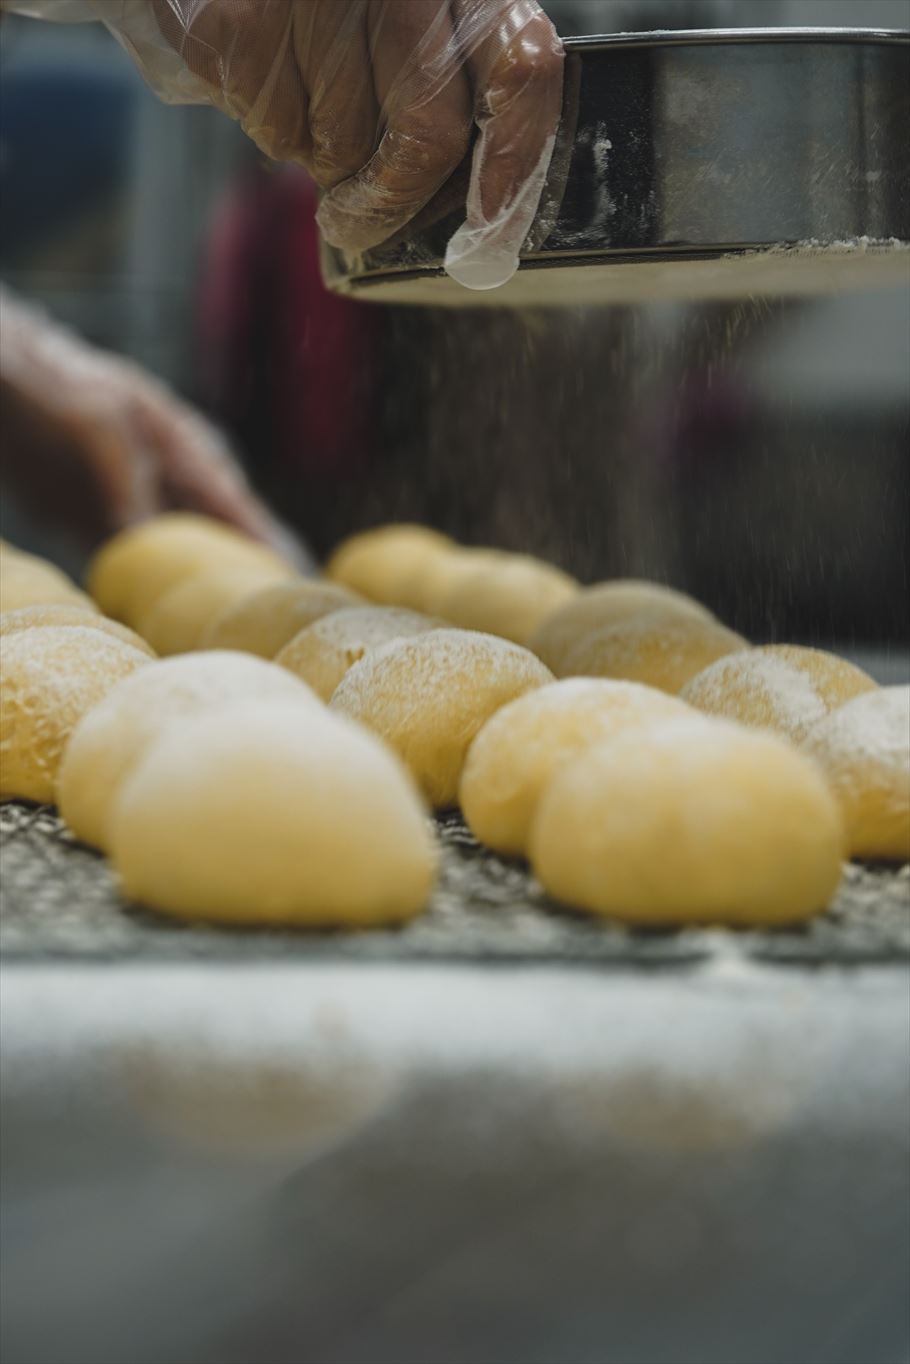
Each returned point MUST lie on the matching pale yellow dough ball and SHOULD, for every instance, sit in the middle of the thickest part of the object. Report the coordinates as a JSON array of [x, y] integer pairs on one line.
[[863, 748], [273, 813], [659, 647], [782, 687], [604, 604], [323, 652], [517, 752], [136, 567], [266, 620], [428, 697], [39, 617], [179, 619], [691, 821], [26, 580], [49, 679], [108, 742], [508, 596], [376, 563]]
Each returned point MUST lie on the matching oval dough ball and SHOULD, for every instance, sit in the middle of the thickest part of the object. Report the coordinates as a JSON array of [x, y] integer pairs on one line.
[[108, 743], [131, 571], [604, 604], [509, 598], [263, 622], [782, 687], [428, 697], [376, 562], [661, 648], [273, 813], [439, 576], [690, 821], [49, 679], [26, 580], [517, 752], [863, 748], [323, 652], [39, 617], [178, 621]]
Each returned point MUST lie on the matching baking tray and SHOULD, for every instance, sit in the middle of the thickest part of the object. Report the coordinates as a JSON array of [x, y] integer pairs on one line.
[[698, 164]]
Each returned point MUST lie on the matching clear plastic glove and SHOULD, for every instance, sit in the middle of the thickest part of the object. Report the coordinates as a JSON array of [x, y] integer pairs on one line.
[[93, 442], [379, 99]]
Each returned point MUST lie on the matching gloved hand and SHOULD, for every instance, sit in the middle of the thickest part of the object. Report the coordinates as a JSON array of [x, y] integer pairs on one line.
[[377, 98], [93, 442]]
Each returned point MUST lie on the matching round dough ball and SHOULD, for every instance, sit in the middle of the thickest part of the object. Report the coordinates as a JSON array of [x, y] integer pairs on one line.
[[600, 605], [376, 562], [863, 748], [133, 569], [508, 598], [660, 647], [428, 696], [27, 580], [440, 575], [49, 679], [265, 621], [782, 687], [517, 752], [108, 742], [178, 620], [690, 821], [39, 617], [273, 813], [323, 652]]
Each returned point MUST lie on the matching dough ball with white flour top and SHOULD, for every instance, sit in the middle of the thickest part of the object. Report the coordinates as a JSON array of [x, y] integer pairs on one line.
[[520, 748], [265, 621], [428, 696], [690, 821], [782, 687], [657, 646], [863, 748], [323, 652], [273, 813], [107, 744], [375, 563], [26, 580], [604, 604], [49, 679], [179, 619], [508, 597], [40, 617]]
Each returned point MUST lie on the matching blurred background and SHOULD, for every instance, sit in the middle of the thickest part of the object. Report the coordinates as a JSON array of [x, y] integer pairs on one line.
[[754, 454]]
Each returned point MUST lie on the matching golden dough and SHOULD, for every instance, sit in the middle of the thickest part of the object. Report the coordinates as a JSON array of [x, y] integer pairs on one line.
[[39, 617], [136, 567], [782, 687], [323, 652], [690, 821], [49, 679], [108, 742], [263, 622], [26, 580], [273, 813], [604, 604], [517, 752], [659, 647], [179, 619], [438, 576], [376, 562], [509, 597], [863, 748], [428, 696]]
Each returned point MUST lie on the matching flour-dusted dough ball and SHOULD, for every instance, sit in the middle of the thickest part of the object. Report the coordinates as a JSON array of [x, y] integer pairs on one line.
[[136, 567], [690, 821], [323, 652], [428, 696], [273, 813], [49, 679], [377, 562], [863, 748], [178, 620], [108, 743], [39, 617], [517, 752], [26, 580], [782, 687], [659, 647], [508, 597], [263, 622], [604, 604]]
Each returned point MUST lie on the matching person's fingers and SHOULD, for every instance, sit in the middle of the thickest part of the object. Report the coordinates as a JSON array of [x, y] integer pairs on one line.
[[332, 50]]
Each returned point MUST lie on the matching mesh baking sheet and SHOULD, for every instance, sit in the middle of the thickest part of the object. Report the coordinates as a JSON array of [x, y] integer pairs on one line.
[[58, 899]]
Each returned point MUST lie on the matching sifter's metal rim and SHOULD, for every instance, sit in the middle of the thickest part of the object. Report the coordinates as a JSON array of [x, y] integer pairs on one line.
[[710, 37]]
